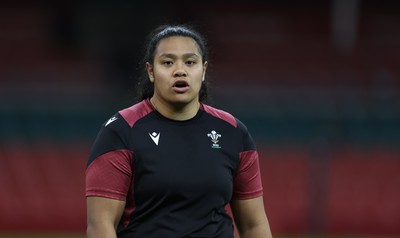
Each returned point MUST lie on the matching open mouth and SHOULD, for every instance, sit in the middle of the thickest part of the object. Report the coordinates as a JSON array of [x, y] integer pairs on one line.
[[181, 84]]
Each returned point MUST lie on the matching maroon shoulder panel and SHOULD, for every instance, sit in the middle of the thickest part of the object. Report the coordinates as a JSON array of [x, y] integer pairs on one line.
[[134, 113], [220, 114]]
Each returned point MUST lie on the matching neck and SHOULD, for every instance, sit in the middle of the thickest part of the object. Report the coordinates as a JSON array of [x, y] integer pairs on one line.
[[178, 111]]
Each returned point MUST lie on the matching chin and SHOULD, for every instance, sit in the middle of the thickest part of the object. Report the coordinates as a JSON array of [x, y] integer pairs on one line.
[[183, 100]]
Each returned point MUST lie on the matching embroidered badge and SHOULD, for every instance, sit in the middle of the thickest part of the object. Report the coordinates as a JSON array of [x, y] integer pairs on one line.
[[214, 139]]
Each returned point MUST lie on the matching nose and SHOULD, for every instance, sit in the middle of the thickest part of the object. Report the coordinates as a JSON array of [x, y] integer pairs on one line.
[[179, 70], [180, 73]]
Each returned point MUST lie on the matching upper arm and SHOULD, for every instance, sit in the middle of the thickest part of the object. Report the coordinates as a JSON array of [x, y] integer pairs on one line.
[[250, 217], [103, 215], [108, 180]]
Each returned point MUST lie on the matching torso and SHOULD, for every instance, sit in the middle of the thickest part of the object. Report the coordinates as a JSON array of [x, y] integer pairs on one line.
[[182, 173]]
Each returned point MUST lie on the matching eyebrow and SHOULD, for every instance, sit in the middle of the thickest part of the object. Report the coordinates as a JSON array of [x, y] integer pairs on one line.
[[173, 56]]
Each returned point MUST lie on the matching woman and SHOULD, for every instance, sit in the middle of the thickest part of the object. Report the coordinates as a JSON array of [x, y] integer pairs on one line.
[[169, 165]]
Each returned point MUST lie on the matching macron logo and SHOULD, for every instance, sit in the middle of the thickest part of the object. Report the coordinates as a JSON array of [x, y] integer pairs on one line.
[[111, 120], [155, 137]]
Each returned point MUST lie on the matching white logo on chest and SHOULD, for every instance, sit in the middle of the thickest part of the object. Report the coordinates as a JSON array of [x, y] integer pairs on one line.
[[214, 139], [155, 137]]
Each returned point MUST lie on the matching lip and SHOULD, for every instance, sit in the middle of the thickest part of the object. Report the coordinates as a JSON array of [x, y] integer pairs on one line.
[[180, 86]]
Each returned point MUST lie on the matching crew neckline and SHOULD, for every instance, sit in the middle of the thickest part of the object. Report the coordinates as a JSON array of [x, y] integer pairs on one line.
[[187, 121]]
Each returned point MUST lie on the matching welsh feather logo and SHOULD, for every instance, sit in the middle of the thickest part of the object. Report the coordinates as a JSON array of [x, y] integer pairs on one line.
[[214, 139]]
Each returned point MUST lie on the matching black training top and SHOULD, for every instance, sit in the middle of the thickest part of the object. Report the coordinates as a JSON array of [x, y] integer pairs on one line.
[[175, 176]]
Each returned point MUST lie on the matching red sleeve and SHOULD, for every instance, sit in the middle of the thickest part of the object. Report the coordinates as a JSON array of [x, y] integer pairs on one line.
[[110, 175], [247, 181]]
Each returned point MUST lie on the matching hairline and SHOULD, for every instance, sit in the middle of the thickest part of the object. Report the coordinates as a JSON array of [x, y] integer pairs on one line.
[[200, 51]]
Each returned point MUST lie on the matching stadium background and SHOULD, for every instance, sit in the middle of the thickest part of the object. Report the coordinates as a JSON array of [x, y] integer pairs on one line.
[[317, 83]]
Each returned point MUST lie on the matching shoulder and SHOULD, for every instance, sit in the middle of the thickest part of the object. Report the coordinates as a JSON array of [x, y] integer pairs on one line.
[[127, 117], [134, 113], [115, 132], [239, 126], [223, 115]]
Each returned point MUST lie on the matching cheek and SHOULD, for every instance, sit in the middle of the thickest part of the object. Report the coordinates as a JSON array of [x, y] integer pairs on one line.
[[161, 84], [199, 78], [160, 78], [197, 82]]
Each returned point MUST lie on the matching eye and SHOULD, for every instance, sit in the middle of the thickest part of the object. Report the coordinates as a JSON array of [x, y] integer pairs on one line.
[[167, 62], [190, 62]]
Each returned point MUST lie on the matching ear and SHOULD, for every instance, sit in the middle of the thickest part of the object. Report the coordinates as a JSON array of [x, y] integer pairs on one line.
[[150, 72], [204, 70]]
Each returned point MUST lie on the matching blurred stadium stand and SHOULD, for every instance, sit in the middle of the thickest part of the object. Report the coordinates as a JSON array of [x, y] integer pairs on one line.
[[321, 98]]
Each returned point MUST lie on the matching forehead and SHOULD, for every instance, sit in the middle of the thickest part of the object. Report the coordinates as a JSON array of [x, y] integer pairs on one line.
[[177, 45]]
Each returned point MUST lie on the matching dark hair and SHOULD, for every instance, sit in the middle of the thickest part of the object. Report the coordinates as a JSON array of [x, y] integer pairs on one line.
[[145, 88]]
